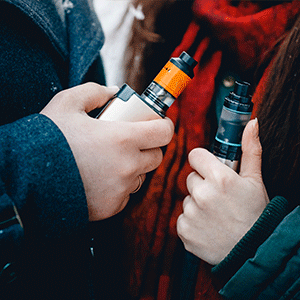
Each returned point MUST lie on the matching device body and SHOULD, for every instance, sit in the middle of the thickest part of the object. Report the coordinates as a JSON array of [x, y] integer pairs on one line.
[[127, 105], [235, 115]]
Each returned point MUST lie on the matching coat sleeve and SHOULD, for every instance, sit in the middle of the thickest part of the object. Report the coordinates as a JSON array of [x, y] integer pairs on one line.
[[273, 270], [41, 192]]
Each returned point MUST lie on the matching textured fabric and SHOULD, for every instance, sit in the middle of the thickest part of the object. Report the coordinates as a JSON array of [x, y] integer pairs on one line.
[[246, 248], [85, 35], [52, 206], [221, 34], [11, 234], [40, 12], [38, 173], [29, 161], [274, 271], [34, 57]]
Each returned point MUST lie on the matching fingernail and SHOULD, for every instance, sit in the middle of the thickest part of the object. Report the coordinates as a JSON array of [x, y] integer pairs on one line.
[[255, 127], [113, 89]]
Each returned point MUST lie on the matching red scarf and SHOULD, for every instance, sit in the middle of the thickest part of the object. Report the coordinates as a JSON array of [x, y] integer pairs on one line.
[[151, 224]]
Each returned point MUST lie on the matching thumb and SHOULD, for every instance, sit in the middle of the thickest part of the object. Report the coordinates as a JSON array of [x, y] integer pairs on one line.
[[84, 97], [92, 95], [251, 151]]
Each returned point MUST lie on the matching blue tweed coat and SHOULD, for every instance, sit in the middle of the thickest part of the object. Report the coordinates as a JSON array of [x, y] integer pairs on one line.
[[45, 47]]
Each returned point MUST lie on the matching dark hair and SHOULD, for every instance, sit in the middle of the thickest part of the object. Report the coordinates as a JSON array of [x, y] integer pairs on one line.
[[279, 118], [154, 39]]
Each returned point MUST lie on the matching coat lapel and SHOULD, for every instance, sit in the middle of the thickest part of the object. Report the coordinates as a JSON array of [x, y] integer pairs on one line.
[[44, 13], [78, 39], [85, 38]]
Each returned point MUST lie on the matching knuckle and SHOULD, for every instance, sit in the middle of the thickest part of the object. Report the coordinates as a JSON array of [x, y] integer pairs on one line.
[[189, 208], [182, 227], [123, 189], [197, 193], [155, 159], [165, 129], [197, 154], [95, 86], [129, 169], [193, 153], [190, 177], [188, 247], [190, 182], [62, 95], [224, 181], [169, 131], [158, 157], [185, 201], [123, 139], [153, 130], [202, 203], [198, 196]]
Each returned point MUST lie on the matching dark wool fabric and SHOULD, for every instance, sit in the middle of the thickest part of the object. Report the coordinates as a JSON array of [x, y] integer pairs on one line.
[[40, 56], [51, 203], [273, 273], [40, 171]]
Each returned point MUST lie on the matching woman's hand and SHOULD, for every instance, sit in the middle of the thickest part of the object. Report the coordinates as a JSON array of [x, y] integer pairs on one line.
[[112, 157], [222, 205]]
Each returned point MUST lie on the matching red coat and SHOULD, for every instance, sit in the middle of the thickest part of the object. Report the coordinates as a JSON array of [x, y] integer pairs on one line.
[[245, 34]]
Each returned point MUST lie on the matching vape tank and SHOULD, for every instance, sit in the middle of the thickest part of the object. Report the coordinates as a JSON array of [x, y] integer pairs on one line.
[[127, 105], [235, 115]]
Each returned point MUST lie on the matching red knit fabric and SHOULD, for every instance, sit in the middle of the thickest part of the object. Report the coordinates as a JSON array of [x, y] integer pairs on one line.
[[150, 226]]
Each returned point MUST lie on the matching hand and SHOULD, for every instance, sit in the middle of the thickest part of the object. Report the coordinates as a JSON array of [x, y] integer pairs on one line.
[[110, 156], [222, 205]]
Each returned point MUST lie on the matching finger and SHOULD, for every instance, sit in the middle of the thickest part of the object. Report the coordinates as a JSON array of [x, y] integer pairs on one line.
[[89, 96], [149, 160], [182, 228], [251, 151], [205, 163], [194, 180], [187, 202], [154, 133], [190, 209]]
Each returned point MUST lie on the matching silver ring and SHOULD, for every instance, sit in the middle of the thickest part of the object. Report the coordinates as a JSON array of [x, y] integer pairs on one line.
[[141, 180]]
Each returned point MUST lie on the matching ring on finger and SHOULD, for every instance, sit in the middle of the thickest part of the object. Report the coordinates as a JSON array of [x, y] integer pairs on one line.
[[141, 180]]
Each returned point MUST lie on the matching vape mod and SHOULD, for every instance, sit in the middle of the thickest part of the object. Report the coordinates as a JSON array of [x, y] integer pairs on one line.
[[127, 105], [235, 115]]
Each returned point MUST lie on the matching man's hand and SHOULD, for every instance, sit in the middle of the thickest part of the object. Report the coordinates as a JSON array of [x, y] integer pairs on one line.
[[222, 205], [112, 157]]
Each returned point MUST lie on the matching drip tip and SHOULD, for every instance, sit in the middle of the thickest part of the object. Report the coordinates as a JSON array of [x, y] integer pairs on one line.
[[242, 88], [188, 59], [185, 63], [240, 98]]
